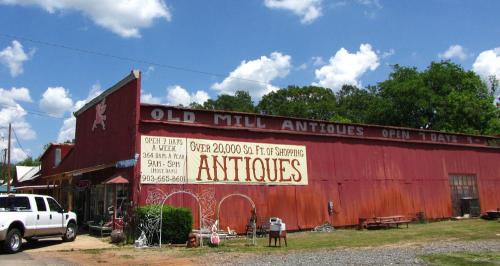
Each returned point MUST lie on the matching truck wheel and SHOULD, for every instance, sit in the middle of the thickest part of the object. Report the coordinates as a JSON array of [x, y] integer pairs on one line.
[[13, 241], [70, 234]]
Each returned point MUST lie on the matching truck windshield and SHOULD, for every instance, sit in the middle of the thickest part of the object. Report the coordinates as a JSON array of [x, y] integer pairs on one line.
[[14, 204]]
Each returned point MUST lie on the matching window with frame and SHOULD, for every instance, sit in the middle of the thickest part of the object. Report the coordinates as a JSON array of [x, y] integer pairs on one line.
[[57, 159], [40, 204], [15, 203], [53, 205]]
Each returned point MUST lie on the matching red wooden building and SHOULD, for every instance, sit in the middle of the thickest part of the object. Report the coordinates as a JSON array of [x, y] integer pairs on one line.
[[127, 153]]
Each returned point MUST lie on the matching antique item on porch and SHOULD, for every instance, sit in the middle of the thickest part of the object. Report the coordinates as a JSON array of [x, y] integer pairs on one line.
[[142, 241], [214, 238], [192, 241], [117, 236], [277, 230]]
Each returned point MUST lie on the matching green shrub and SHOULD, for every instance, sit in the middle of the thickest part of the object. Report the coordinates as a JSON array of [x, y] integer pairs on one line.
[[176, 225]]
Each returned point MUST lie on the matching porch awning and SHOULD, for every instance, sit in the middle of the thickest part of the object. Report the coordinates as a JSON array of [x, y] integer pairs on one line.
[[117, 179]]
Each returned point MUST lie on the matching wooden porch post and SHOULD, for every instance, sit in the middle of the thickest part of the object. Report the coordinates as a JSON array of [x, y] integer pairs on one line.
[[59, 191], [114, 205], [70, 194]]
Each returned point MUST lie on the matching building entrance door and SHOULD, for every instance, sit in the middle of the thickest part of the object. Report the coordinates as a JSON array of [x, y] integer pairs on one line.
[[464, 195]]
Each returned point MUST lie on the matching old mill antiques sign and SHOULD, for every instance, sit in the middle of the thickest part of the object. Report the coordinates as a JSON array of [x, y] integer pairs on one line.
[[166, 160]]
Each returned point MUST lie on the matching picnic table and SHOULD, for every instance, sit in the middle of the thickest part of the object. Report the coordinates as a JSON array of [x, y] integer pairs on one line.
[[383, 222]]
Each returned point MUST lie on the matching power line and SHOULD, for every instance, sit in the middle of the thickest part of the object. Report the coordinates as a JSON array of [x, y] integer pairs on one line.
[[30, 111], [19, 143], [123, 58]]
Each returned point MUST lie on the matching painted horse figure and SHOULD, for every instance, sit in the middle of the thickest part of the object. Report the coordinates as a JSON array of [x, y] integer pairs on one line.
[[100, 117]]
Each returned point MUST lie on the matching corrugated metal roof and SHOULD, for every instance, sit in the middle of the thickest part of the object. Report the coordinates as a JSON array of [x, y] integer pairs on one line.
[[26, 173]]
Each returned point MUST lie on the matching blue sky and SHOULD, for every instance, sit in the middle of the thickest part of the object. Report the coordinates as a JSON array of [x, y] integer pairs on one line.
[[257, 45]]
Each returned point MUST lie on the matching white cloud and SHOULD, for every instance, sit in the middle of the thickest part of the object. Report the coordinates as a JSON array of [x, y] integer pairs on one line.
[[123, 17], [255, 76], [12, 112], [389, 53], [67, 130], [371, 3], [176, 95], [308, 10], [16, 154], [149, 98], [454, 51], [200, 97], [148, 72], [347, 68], [488, 63], [14, 56], [318, 61], [373, 6], [56, 101], [9, 97]]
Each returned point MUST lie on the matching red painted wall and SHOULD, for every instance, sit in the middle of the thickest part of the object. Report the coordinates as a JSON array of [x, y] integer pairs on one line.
[[362, 177], [48, 158], [117, 141]]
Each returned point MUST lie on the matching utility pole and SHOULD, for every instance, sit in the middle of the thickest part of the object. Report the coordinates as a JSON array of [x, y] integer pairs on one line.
[[4, 163], [8, 161]]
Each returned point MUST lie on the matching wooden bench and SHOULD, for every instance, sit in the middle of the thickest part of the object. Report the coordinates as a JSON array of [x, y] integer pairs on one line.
[[385, 222]]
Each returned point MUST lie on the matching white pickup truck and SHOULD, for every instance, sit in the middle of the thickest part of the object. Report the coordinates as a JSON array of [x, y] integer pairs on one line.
[[33, 217]]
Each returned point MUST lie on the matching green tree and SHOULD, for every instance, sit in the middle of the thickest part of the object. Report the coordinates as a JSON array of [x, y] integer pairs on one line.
[[29, 161], [442, 97], [240, 102], [406, 100], [305, 102], [357, 105]]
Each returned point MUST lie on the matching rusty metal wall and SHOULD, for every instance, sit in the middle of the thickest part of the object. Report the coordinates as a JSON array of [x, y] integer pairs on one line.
[[362, 177]]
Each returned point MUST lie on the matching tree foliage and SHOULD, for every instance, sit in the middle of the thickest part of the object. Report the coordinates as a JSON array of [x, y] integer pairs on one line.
[[443, 96], [304, 102], [29, 161], [240, 102]]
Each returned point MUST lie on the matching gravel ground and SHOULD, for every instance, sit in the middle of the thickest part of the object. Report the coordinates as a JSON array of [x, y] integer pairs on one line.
[[392, 255]]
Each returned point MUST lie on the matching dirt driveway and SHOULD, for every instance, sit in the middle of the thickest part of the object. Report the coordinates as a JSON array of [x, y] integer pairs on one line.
[[41, 253], [88, 250], [82, 242]]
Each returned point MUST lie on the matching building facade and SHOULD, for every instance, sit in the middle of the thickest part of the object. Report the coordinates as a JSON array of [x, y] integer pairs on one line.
[[306, 172]]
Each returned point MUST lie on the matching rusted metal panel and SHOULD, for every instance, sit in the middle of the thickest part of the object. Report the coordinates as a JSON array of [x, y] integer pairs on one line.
[[362, 177]]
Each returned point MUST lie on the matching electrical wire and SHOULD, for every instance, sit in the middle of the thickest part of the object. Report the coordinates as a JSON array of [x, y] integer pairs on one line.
[[19, 143], [30, 111], [123, 58]]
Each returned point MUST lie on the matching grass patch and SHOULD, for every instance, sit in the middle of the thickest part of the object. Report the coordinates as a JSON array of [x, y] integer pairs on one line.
[[93, 251], [466, 230], [126, 256], [464, 258]]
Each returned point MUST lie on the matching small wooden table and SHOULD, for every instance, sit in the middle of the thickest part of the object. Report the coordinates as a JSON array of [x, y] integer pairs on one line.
[[277, 235]]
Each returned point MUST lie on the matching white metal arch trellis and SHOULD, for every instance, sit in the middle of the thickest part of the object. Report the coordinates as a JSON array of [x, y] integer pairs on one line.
[[199, 205], [254, 226]]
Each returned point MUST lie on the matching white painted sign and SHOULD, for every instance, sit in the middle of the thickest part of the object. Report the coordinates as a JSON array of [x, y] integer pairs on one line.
[[200, 161], [163, 160], [231, 162]]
